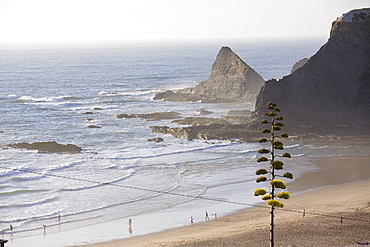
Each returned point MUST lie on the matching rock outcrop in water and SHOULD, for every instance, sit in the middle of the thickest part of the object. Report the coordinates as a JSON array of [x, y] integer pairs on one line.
[[201, 121], [47, 147], [208, 128], [332, 90], [231, 80], [209, 132], [152, 116]]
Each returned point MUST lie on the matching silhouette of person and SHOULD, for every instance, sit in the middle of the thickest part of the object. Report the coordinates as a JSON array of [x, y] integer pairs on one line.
[[129, 226]]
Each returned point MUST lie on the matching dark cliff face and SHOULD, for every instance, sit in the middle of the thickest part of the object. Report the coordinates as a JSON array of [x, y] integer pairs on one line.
[[332, 90]]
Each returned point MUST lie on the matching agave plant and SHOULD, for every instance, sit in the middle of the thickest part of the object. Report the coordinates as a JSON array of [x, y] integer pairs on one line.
[[271, 174]]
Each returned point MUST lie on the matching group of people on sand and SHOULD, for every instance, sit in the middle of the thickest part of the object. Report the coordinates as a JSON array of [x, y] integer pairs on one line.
[[44, 226], [206, 218]]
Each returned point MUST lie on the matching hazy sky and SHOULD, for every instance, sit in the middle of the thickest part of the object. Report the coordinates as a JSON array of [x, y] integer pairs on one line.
[[96, 20]]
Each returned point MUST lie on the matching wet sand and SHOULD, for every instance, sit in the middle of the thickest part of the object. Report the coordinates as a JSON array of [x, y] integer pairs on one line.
[[336, 202]]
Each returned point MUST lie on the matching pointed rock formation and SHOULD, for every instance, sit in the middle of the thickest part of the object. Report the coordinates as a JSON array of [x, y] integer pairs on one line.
[[332, 90], [231, 80]]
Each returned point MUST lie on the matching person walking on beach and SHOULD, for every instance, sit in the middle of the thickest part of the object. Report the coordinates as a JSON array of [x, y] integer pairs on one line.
[[191, 220], [129, 226], [207, 217]]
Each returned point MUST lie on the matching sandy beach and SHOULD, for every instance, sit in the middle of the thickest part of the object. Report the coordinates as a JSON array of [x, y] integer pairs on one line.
[[335, 199]]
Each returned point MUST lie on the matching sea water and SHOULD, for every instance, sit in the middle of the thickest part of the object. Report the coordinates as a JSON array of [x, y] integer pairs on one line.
[[46, 93]]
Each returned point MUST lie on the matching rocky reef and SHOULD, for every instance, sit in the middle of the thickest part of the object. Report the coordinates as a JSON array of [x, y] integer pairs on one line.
[[47, 147], [232, 128], [152, 116], [331, 92], [231, 80], [231, 132]]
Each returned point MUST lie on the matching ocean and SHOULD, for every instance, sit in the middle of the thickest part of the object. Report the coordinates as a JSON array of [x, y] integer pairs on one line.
[[45, 95]]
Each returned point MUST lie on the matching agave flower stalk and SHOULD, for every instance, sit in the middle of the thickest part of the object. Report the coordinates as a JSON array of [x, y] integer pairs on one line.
[[275, 165]]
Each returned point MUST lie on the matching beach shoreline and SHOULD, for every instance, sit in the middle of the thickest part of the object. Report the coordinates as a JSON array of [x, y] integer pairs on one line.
[[335, 190]]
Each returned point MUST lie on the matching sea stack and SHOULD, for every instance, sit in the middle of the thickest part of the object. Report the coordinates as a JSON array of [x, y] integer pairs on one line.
[[331, 92], [231, 80]]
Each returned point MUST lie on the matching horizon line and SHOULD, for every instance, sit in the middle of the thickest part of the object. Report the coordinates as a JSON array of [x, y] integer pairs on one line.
[[158, 41]]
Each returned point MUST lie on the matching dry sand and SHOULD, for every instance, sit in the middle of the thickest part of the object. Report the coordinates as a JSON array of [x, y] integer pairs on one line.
[[336, 214]]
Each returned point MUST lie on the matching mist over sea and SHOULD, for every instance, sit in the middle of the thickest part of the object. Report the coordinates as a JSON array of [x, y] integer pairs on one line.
[[45, 93]]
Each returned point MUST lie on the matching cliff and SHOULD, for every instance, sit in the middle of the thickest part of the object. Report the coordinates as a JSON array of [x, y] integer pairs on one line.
[[231, 80], [332, 90]]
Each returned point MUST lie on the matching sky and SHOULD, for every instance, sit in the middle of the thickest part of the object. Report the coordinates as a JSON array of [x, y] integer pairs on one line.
[[145, 20]]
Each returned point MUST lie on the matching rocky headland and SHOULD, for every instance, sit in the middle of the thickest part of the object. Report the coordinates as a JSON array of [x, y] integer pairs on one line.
[[231, 80], [331, 92], [326, 96]]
